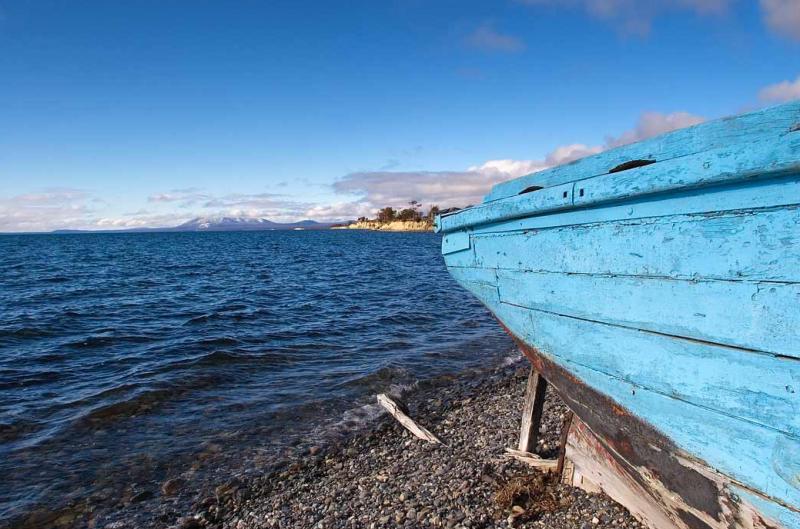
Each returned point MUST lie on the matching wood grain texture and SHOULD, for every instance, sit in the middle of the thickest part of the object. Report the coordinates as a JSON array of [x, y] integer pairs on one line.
[[758, 245], [591, 460], [754, 315], [690, 493]]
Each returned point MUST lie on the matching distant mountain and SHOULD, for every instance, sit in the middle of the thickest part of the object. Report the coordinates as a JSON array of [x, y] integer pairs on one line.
[[246, 224], [222, 224]]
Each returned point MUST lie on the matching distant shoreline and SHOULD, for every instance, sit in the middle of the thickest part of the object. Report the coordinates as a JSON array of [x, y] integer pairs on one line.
[[395, 225]]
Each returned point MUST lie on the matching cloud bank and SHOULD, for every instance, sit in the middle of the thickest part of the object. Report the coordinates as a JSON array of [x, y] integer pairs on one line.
[[460, 188], [781, 92], [782, 17], [46, 209], [486, 38], [363, 193], [636, 16]]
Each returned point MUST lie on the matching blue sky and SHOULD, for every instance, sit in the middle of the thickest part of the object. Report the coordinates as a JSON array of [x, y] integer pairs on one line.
[[148, 113]]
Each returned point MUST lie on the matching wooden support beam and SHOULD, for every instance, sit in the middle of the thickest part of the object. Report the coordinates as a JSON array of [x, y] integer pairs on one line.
[[532, 411]]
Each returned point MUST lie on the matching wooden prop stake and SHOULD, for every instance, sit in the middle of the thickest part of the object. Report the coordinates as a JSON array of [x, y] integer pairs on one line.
[[532, 411], [408, 423], [562, 445]]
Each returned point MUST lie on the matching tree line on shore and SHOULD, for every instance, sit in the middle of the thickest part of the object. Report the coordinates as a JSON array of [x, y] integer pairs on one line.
[[413, 213]]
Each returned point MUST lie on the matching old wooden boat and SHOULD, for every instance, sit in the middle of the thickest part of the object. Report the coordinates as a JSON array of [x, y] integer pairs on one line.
[[656, 286]]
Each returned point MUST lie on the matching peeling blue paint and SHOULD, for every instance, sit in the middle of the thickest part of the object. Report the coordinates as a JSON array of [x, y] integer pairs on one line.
[[672, 288]]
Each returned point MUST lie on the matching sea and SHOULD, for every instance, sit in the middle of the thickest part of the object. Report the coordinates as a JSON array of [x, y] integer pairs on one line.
[[127, 359]]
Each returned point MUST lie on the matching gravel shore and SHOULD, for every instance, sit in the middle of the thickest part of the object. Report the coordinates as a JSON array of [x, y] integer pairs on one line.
[[386, 478]]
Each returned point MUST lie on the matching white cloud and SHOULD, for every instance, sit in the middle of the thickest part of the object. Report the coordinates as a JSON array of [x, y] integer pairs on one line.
[[570, 153], [46, 209], [141, 220], [486, 38], [782, 16], [781, 92], [340, 211], [255, 205], [509, 167], [460, 188], [636, 16], [52, 209], [652, 124], [187, 196], [397, 189]]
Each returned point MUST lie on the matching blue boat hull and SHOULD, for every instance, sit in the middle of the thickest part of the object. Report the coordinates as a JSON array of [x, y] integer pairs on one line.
[[657, 287]]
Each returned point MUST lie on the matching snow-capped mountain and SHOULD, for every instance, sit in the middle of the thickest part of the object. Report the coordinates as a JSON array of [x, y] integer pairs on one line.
[[245, 223], [222, 224]]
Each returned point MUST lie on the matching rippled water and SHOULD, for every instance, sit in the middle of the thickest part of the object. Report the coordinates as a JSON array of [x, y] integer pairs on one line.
[[129, 358]]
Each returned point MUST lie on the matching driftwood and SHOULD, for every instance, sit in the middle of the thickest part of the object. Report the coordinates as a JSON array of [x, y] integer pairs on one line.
[[545, 465], [397, 411]]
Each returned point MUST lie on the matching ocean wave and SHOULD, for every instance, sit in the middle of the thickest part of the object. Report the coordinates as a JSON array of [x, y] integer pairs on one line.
[[26, 332], [143, 401], [405, 318], [25, 378], [55, 279], [145, 353], [392, 379], [16, 430], [99, 340]]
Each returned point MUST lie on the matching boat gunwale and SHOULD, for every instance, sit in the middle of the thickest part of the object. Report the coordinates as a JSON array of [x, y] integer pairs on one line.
[[762, 154], [545, 201], [768, 123]]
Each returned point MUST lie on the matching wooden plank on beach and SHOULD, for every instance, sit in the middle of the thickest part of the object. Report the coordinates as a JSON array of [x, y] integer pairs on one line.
[[532, 411], [402, 417], [545, 465]]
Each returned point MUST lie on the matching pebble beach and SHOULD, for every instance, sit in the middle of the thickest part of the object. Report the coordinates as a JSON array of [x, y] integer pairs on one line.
[[384, 477]]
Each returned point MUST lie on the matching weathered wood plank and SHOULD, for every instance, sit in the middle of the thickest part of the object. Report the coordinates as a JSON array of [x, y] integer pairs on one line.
[[759, 127], [759, 245], [769, 513], [687, 488], [562, 442], [626, 286], [532, 411], [754, 387], [408, 423], [752, 315], [591, 460], [455, 242], [733, 164], [464, 255], [744, 452], [545, 465], [756, 195], [481, 282]]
